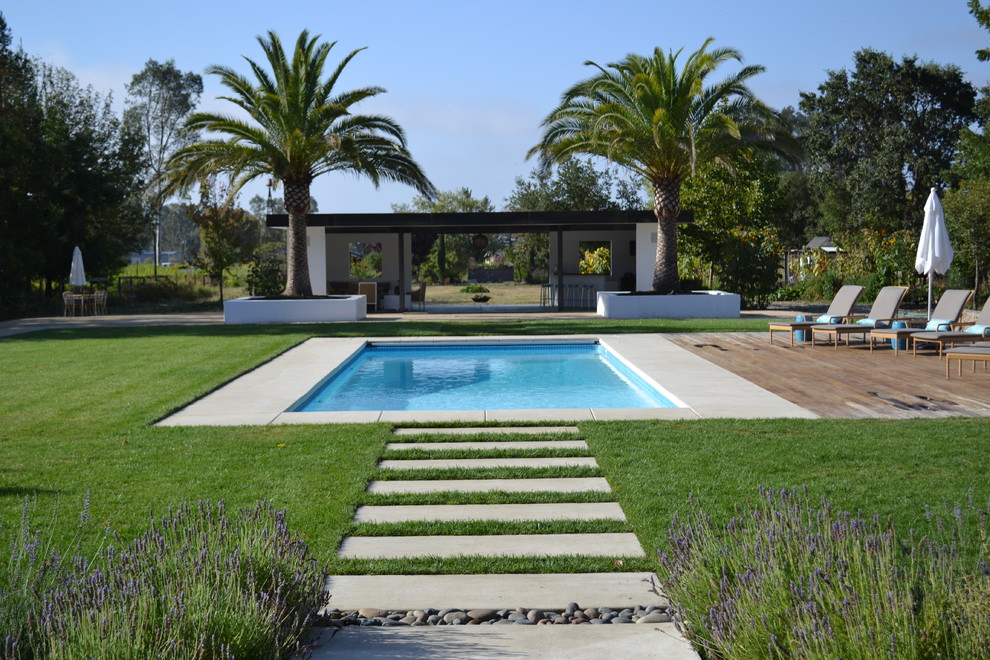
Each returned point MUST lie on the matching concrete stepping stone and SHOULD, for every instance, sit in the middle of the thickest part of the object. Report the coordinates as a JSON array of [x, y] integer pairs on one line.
[[552, 485], [488, 446], [452, 512], [513, 545], [493, 591], [652, 642], [473, 463], [473, 430]]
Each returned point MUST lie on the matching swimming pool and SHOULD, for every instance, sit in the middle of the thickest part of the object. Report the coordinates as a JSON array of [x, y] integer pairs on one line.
[[482, 376]]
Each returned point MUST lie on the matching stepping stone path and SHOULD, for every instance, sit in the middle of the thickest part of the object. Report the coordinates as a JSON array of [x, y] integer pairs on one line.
[[390, 600]]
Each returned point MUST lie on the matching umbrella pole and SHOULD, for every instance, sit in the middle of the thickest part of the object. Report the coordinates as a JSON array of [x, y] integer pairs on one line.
[[929, 295]]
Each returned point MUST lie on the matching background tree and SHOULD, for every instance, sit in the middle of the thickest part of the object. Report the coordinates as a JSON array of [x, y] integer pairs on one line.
[[982, 16], [68, 174], [967, 214], [299, 129], [574, 185], [734, 240], [159, 100], [221, 230], [438, 256], [880, 136], [663, 124], [23, 214]]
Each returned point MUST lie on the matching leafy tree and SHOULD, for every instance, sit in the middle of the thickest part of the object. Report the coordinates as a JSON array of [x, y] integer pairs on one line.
[[879, 137], [179, 232], [159, 100], [735, 236], [24, 215], [68, 171], [973, 158], [967, 214], [221, 230], [438, 255], [299, 129], [574, 185], [982, 16], [662, 123]]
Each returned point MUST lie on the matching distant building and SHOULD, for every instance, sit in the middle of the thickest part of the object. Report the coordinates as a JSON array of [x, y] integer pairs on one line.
[[797, 261]]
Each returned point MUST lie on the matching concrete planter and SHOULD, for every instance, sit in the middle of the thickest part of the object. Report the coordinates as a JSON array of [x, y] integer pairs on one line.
[[313, 310], [697, 305]]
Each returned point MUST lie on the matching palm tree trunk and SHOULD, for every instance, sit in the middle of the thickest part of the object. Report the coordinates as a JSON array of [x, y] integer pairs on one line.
[[666, 208], [297, 282]]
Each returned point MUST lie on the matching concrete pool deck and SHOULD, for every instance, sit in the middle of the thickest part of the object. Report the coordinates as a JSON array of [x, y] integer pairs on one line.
[[261, 396]]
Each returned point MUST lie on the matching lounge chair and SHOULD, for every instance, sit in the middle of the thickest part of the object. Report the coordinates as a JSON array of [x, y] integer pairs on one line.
[[944, 316], [883, 312], [840, 309], [976, 332], [979, 352]]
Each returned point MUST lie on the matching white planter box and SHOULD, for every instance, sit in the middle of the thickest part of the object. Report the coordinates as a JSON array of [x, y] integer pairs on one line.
[[697, 305], [318, 310]]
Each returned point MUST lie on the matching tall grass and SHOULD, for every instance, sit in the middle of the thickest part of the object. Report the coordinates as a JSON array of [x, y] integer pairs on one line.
[[785, 579], [200, 583]]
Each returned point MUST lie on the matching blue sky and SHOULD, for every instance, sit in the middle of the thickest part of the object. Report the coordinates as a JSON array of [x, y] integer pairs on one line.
[[471, 81]]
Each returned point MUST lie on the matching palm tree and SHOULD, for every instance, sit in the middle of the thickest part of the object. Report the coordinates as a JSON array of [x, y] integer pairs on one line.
[[299, 129], [661, 123]]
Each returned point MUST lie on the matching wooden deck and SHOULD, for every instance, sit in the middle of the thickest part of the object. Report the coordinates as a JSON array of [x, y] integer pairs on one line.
[[849, 382]]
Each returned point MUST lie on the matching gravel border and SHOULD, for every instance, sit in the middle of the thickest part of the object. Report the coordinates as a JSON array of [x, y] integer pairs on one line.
[[573, 614]]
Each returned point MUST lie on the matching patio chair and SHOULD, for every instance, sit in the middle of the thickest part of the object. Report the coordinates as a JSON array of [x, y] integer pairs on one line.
[[100, 302], [71, 303], [974, 333], [839, 310], [883, 312], [418, 296], [946, 313], [370, 291]]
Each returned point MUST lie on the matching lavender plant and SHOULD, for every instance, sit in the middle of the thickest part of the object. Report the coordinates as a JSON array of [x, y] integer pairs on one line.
[[199, 584], [788, 580]]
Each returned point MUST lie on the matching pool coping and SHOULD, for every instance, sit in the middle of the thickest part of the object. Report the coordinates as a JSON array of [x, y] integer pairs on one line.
[[261, 396]]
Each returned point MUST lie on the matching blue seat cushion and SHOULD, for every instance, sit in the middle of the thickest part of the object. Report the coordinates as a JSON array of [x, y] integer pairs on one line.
[[939, 325], [978, 329], [872, 323]]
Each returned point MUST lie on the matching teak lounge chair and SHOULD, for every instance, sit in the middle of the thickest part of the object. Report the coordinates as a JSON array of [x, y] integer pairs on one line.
[[944, 316], [884, 311], [978, 352], [840, 310], [980, 330]]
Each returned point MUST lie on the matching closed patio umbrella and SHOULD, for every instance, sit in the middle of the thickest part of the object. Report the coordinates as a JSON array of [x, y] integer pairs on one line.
[[77, 274], [934, 251]]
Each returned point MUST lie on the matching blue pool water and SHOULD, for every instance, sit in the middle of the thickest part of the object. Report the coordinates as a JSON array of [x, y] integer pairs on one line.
[[481, 377]]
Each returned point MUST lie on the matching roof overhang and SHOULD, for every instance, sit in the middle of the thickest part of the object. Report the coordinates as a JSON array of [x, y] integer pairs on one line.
[[506, 222]]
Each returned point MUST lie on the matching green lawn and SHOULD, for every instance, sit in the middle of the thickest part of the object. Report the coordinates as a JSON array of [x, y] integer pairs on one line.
[[77, 408]]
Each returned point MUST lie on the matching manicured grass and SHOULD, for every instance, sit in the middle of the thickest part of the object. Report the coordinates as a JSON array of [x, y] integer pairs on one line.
[[883, 467], [77, 408]]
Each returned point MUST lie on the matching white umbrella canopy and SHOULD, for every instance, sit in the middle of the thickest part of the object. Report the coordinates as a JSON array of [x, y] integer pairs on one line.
[[77, 274], [934, 250]]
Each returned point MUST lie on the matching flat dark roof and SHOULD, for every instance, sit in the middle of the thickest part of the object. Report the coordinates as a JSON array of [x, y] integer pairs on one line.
[[466, 223]]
